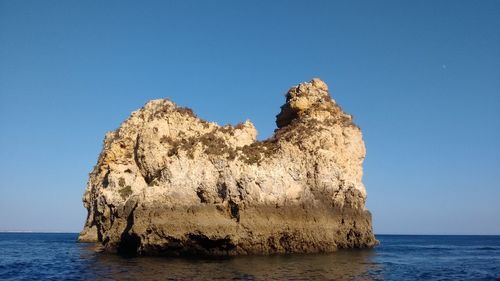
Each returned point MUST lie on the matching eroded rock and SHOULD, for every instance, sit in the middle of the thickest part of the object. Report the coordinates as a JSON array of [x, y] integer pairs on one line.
[[169, 183]]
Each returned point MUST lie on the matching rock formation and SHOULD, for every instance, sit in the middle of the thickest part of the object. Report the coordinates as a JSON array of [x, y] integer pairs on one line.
[[169, 183]]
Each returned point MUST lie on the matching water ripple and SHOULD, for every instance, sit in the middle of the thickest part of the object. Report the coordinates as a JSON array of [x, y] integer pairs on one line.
[[35, 256]]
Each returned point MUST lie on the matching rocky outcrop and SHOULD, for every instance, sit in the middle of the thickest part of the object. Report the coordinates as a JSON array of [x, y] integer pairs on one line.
[[169, 183]]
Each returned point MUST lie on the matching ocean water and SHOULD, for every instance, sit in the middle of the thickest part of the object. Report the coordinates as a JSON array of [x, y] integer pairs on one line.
[[43, 256]]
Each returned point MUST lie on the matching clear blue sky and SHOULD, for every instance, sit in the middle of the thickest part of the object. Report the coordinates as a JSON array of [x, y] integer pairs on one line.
[[422, 79]]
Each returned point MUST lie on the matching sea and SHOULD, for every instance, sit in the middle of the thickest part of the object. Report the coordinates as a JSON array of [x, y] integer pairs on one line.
[[58, 256]]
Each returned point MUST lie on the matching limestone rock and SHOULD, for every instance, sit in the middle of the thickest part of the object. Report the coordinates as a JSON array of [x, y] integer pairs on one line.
[[169, 183]]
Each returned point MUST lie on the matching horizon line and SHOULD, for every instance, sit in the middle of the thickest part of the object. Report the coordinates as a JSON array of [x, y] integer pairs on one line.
[[386, 234]]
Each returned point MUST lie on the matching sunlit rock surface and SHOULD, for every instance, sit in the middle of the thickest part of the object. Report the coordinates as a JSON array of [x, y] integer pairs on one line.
[[169, 183]]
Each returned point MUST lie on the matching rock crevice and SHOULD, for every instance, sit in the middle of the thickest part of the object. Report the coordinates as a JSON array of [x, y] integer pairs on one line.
[[169, 183]]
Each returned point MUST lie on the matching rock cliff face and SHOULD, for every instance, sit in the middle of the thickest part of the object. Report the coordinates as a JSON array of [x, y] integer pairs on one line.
[[169, 183]]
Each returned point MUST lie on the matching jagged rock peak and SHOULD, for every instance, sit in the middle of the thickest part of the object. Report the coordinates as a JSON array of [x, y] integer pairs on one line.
[[309, 99], [170, 183]]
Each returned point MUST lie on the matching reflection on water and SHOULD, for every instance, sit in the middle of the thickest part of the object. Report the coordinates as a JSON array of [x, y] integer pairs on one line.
[[344, 264]]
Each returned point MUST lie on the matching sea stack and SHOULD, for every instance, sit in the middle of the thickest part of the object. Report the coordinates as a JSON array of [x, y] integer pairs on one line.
[[170, 183]]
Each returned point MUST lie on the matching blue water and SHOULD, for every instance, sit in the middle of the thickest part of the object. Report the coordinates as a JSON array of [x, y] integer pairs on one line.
[[41, 256]]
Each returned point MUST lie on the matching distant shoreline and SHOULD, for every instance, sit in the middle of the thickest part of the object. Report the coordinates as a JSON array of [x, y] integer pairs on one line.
[[38, 232]]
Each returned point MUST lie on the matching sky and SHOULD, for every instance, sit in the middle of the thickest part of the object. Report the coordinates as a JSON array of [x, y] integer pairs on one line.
[[421, 78]]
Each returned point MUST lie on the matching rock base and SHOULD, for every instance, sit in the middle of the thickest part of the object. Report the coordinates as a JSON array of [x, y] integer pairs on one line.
[[219, 231]]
